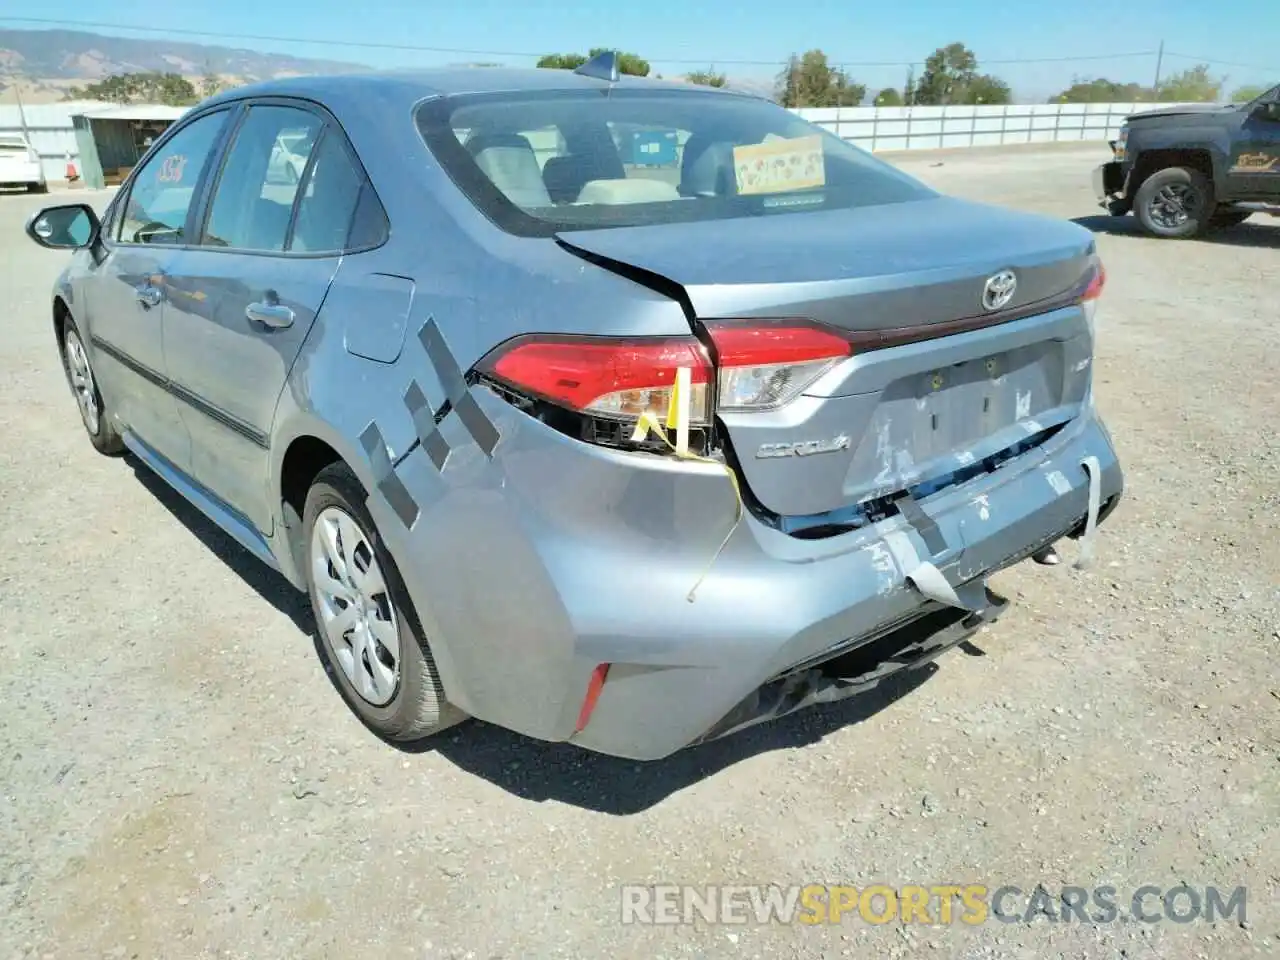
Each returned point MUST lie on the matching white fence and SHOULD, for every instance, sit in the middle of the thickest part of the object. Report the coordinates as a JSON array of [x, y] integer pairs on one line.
[[932, 128], [872, 128]]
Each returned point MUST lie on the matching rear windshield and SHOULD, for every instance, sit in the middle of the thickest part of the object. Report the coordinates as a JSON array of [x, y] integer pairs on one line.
[[540, 162]]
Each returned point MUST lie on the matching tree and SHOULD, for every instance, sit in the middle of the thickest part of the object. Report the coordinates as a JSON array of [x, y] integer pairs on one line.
[[1103, 91], [947, 72], [210, 84], [706, 78], [986, 88], [1248, 92], [1193, 85], [809, 81], [168, 88], [888, 97], [628, 63]]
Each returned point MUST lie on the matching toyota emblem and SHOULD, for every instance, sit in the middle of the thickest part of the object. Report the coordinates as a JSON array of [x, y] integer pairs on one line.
[[999, 290]]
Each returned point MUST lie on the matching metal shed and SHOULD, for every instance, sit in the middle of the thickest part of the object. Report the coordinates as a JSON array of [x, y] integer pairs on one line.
[[111, 140]]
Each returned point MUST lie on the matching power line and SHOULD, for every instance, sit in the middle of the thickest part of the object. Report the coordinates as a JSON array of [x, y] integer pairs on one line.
[[1221, 63], [418, 48]]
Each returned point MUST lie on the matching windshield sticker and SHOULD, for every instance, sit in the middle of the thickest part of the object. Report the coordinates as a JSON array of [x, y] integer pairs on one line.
[[777, 166], [171, 169]]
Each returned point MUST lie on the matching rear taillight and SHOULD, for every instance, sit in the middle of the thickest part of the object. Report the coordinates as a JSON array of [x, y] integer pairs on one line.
[[610, 382], [1092, 291], [615, 378], [1096, 282], [766, 365]]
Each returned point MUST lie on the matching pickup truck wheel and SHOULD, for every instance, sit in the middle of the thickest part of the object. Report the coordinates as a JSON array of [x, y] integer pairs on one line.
[[1229, 218], [1174, 202], [370, 635]]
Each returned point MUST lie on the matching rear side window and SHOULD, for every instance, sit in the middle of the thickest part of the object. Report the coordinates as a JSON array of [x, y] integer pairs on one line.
[[156, 211], [253, 203], [328, 199]]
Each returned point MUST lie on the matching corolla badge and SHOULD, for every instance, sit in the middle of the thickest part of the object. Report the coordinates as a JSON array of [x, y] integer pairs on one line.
[[999, 290], [802, 448]]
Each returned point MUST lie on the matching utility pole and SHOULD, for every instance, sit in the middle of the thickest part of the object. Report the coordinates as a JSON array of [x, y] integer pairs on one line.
[[1159, 63], [22, 114]]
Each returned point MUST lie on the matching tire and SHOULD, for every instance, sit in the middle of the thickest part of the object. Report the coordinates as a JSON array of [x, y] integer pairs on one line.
[[402, 700], [1229, 218], [1160, 217], [94, 415], [37, 188]]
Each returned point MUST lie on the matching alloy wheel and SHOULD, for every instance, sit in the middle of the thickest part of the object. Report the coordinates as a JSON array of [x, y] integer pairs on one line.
[[82, 384], [1173, 205], [357, 617]]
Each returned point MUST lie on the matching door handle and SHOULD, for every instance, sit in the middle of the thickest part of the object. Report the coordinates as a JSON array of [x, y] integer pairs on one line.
[[148, 295], [274, 315]]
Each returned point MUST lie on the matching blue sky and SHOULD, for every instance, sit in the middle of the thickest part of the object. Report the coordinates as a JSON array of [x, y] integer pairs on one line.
[[719, 31]]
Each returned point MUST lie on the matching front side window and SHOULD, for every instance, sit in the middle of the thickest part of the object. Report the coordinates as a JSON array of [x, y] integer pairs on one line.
[[253, 202], [156, 211], [538, 162]]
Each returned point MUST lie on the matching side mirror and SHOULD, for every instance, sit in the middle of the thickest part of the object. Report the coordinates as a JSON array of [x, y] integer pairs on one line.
[[71, 226], [1269, 111]]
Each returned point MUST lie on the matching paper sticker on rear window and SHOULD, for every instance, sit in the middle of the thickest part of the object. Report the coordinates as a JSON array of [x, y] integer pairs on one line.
[[778, 166]]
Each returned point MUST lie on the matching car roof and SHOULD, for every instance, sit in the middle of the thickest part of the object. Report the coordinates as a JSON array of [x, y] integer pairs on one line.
[[411, 86]]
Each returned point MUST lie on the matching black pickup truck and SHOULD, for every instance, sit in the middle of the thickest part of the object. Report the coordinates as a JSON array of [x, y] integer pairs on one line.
[[1184, 170]]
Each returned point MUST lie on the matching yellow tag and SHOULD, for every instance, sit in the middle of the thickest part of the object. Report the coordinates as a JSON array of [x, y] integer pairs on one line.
[[778, 166]]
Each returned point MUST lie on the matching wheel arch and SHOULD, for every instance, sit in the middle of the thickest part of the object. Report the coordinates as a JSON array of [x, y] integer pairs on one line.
[[1199, 158], [61, 313]]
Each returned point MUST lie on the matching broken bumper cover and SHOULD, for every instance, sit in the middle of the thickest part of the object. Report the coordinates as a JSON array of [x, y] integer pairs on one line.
[[1109, 187], [532, 569]]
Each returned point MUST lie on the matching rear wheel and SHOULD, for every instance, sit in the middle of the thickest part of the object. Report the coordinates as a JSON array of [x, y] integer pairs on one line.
[[1175, 202], [370, 634], [84, 387]]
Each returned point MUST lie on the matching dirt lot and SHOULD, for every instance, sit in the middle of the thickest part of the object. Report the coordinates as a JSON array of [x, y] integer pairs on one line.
[[179, 780]]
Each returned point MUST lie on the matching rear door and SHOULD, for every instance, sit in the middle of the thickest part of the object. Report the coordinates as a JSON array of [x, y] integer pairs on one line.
[[240, 304], [1255, 161], [125, 290]]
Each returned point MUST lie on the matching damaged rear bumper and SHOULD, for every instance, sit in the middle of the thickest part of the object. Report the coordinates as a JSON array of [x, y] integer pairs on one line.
[[533, 568]]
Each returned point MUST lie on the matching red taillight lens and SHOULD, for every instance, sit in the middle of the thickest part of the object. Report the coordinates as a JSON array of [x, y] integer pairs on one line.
[[606, 376], [765, 365], [1096, 283]]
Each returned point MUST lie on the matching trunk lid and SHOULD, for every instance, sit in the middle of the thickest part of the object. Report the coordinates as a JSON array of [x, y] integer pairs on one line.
[[884, 420]]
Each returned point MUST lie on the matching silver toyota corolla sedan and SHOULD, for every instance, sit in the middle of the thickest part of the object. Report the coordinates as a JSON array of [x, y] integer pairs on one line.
[[607, 410]]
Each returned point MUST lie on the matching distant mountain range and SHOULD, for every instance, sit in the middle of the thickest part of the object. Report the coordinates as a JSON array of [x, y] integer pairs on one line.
[[45, 64], [49, 61]]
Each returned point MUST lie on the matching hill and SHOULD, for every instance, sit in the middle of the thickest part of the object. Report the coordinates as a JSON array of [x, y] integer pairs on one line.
[[43, 63]]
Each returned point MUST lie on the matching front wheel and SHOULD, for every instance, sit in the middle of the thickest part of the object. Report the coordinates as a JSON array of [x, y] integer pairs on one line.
[[1175, 203], [370, 634], [84, 387]]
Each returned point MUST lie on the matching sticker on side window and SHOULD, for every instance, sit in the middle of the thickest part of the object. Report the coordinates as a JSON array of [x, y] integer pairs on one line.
[[171, 168], [779, 165]]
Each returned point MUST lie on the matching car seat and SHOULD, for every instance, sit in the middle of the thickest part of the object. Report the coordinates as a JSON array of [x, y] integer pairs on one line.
[[509, 162]]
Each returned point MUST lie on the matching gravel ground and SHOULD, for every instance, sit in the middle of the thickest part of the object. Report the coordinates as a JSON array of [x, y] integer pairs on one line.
[[178, 779]]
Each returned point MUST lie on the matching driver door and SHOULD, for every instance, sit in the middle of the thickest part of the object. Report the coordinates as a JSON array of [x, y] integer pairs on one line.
[[125, 290]]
